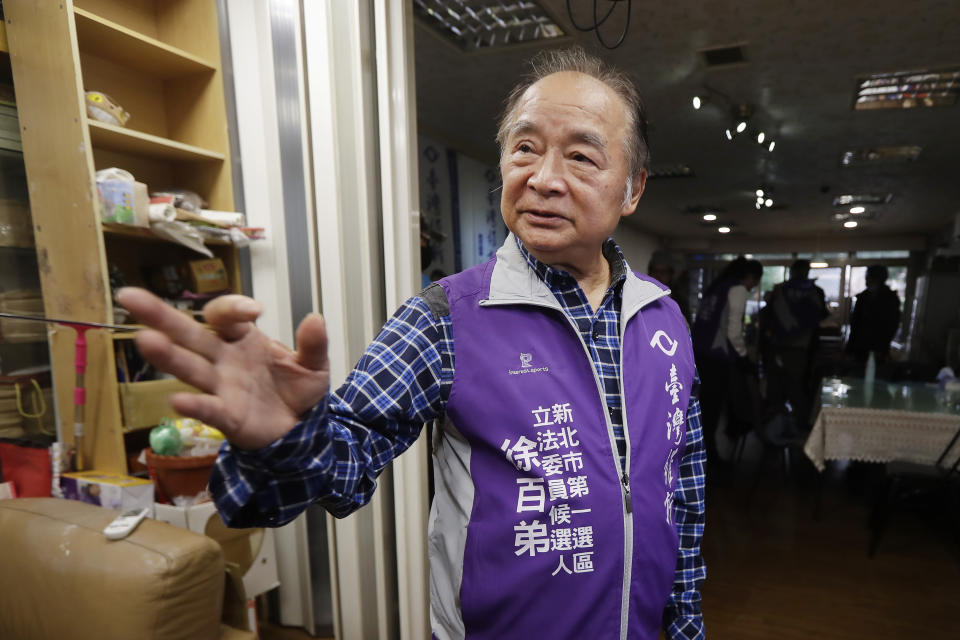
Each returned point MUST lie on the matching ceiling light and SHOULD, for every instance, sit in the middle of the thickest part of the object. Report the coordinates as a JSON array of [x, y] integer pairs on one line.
[[697, 103], [819, 265], [729, 135], [773, 143], [742, 126], [850, 224], [759, 193], [724, 229], [856, 210], [710, 217], [759, 204], [485, 24], [908, 89], [760, 137], [768, 202]]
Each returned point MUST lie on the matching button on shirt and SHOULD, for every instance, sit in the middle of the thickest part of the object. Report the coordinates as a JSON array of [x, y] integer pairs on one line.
[[403, 380]]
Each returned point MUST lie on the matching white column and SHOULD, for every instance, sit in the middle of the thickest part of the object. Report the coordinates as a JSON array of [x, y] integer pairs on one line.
[[252, 52], [342, 99], [396, 90]]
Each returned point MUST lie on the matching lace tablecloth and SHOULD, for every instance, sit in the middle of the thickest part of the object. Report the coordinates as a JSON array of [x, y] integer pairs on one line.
[[880, 435]]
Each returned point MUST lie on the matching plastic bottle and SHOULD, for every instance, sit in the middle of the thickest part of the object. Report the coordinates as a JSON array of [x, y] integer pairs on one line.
[[870, 373]]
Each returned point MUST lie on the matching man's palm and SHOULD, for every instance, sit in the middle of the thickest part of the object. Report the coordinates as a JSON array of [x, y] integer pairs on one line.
[[253, 389]]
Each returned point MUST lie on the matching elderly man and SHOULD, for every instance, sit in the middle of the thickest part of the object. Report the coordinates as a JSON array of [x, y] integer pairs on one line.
[[568, 457]]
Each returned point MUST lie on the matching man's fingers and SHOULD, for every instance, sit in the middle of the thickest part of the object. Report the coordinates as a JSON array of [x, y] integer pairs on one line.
[[312, 343], [205, 408], [232, 316], [153, 312], [175, 360]]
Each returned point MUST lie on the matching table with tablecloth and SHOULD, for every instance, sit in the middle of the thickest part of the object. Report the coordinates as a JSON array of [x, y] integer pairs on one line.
[[883, 422]]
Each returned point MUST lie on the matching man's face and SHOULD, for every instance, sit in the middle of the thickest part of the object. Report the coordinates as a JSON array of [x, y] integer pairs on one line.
[[564, 168]]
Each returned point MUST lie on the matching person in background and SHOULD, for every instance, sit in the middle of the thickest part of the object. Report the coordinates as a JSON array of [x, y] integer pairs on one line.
[[791, 329], [719, 343], [875, 318], [662, 267]]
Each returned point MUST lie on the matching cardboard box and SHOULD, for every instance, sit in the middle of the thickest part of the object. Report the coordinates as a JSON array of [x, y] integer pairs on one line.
[[253, 550], [208, 276], [107, 490]]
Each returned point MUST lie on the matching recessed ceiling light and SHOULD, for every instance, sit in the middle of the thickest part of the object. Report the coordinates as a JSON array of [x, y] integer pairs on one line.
[[760, 137], [856, 210], [710, 217], [768, 202], [773, 143], [724, 229], [741, 126], [908, 89], [729, 135], [697, 103], [850, 224], [487, 24], [759, 193]]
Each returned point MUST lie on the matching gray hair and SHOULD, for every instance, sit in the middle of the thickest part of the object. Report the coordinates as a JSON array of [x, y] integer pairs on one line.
[[548, 62]]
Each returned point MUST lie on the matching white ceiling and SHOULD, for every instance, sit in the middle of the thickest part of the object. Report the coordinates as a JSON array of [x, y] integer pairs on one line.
[[802, 62]]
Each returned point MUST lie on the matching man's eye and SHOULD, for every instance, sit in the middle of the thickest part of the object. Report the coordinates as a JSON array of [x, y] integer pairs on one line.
[[524, 148], [579, 157]]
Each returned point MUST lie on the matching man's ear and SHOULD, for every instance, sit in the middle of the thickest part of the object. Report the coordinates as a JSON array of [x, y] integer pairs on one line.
[[639, 184]]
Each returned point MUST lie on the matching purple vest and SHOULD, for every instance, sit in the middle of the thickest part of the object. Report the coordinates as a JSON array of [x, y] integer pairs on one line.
[[556, 541]]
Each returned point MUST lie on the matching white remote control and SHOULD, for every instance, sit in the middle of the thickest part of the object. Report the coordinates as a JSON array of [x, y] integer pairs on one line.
[[125, 523]]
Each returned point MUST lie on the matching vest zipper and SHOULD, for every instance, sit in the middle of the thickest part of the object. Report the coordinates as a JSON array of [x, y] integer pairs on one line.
[[621, 472], [625, 481]]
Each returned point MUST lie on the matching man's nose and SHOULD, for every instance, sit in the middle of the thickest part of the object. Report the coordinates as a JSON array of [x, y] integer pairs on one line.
[[548, 177]]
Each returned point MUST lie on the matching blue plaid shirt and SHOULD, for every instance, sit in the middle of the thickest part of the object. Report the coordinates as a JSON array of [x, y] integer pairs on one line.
[[334, 455]]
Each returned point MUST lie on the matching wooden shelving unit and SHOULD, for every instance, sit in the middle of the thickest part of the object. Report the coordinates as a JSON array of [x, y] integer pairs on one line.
[[115, 42], [114, 138], [160, 60]]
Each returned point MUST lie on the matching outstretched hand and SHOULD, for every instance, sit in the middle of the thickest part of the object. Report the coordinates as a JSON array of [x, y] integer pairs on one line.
[[252, 388]]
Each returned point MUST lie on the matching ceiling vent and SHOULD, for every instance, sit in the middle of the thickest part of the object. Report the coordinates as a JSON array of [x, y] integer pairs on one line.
[[487, 24], [880, 155], [671, 171], [853, 199], [723, 56]]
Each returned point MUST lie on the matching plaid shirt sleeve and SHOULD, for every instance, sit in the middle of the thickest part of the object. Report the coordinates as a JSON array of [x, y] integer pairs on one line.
[[335, 453], [682, 618]]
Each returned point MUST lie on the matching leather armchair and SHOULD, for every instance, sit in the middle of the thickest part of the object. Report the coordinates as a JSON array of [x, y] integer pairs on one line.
[[61, 578]]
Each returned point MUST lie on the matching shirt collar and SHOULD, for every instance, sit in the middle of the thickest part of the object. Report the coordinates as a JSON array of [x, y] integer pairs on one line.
[[558, 278]]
